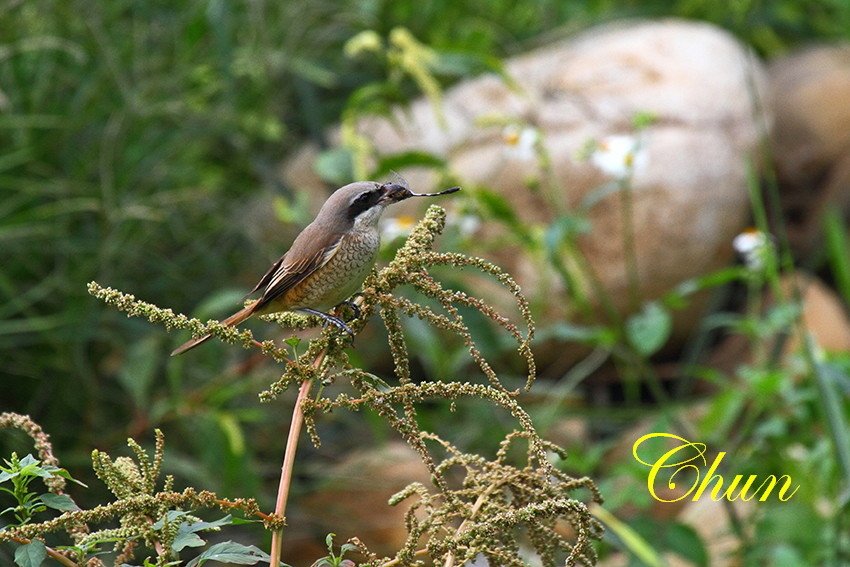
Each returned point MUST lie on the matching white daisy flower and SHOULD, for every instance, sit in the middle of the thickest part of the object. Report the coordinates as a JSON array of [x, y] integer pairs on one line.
[[520, 141], [619, 155], [754, 246]]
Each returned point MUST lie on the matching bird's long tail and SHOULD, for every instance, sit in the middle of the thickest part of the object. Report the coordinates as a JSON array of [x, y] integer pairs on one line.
[[231, 321]]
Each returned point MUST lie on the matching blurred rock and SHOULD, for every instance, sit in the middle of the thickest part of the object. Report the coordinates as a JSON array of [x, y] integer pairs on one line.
[[823, 315], [353, 502], [811, 138], [712, 523], [812, 127], [689, 195]]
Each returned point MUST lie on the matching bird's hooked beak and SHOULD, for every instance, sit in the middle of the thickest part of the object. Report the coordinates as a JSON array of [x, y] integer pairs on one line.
[[393, 193]]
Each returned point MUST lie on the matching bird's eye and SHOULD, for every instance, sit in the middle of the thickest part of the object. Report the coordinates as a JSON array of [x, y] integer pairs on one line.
[[363, 197]]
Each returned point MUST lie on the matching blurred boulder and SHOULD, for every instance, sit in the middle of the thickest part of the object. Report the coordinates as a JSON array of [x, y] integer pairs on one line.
[[811, 138], [353, 501], [689, 164], [711, 521], [823, 315]]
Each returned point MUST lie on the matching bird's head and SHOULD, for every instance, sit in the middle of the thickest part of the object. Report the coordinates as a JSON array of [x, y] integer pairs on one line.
[[361, 203]]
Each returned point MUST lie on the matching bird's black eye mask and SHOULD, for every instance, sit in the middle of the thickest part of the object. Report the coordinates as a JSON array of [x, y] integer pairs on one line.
[[363, 202]]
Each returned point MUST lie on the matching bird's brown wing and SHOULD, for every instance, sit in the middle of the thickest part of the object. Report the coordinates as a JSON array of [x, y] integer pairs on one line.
[[305, 257], [267, 277]]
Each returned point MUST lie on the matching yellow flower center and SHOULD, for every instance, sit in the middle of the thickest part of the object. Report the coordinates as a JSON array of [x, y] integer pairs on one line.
[[404, 222], [511, 138]]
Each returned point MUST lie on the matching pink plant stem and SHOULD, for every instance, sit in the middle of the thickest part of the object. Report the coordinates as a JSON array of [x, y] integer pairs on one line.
[[288, 463]]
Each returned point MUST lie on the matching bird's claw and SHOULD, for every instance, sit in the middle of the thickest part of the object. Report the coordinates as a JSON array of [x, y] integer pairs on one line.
[[335, 321]]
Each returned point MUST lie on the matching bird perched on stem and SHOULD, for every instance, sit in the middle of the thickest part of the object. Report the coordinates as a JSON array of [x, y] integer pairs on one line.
[[329, 259]]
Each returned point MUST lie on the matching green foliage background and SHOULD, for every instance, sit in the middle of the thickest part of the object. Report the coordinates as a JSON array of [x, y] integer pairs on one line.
[[135, 138]]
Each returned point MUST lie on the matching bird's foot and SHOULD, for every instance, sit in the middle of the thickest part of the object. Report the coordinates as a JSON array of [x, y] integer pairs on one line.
[[335, 321]]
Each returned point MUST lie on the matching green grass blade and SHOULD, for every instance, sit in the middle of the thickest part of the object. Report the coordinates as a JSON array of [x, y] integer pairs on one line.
[[838, 251]]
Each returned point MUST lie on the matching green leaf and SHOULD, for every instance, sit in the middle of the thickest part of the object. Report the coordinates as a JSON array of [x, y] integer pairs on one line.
[[187, 533], [139, 369], [781, 317], [723, 320], [31, 554], [401, 160], [676, 298], [61, 502], [40, 472], [594, 197], [685, 541], [565, 228], [723, 412], [169, 517], [232, 553], [30, 466], [785, 555], [648, 330], [632, 540], [243, 521], [376, 99], [497, 206], [6, 475], [293, 209], [335, 166], [202, 526], [765, 383], [838, 249], [832, 403], [310, 70], [571, 332], [232, 430], [28, 461], [186, 539], [67, 476], [643, 119]]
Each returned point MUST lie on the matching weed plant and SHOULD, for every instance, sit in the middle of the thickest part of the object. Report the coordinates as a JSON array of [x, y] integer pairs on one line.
[[481, 512]]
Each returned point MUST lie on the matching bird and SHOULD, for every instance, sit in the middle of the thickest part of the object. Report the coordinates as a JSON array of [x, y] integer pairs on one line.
[[329, 259]]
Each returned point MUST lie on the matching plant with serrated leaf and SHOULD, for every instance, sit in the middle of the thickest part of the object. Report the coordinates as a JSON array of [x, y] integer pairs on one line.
[[20, 473], [147, 514], [332, 559]]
